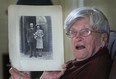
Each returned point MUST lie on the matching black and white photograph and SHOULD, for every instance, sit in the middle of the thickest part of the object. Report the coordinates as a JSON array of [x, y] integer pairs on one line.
[[35, 37]]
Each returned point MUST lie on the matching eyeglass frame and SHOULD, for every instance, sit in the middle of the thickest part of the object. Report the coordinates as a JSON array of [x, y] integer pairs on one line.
[[81, 32]]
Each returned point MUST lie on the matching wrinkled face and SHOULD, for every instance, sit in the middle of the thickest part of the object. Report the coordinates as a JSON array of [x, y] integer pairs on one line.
[[85, 47]]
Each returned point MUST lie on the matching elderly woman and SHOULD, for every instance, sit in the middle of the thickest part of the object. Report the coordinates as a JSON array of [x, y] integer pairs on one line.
[[88, 31]]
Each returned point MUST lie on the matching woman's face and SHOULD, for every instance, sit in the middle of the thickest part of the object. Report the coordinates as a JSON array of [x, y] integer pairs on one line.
[[84, 47], [38, 27]]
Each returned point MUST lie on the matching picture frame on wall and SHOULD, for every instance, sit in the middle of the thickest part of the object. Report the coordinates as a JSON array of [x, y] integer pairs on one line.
[[35, 37]]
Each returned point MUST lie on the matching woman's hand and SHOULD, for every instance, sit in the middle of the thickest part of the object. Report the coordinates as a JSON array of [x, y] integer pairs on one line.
[[53, 74], [15, 74]]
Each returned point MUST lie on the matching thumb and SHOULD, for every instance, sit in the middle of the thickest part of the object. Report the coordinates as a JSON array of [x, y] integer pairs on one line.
[[61, 73]]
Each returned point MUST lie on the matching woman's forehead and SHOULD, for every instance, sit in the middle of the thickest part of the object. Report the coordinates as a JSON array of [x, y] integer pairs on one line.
[[83, 23], [80, 28]]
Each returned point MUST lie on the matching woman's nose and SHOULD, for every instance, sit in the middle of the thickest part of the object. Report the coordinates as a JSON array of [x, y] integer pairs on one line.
[[78, 36]]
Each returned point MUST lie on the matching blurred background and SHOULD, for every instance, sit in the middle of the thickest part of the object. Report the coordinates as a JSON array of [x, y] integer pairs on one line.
[[107, 6]]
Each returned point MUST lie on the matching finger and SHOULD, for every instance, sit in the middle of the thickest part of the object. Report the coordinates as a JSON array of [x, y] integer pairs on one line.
[[49, 75], [64, 66], [11, 70], [15, 73], [61, 73]]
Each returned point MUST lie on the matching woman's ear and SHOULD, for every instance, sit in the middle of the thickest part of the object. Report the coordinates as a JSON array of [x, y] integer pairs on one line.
[[104, 39]]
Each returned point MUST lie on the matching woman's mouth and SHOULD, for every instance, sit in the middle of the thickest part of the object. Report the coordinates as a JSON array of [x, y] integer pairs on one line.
[[79, 47]]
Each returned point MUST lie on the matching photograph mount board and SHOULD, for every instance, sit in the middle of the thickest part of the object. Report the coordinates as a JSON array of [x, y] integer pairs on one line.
[[35, 37]]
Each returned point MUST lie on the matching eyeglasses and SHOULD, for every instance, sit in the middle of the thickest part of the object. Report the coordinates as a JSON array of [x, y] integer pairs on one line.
[[83, 33]]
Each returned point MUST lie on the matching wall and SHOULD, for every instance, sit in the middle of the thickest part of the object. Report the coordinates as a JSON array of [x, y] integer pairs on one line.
[[107, 6], [3, 30]]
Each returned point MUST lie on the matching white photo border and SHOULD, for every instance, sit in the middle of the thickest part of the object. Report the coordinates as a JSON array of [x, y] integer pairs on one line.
[[15, 12]]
